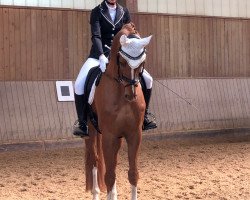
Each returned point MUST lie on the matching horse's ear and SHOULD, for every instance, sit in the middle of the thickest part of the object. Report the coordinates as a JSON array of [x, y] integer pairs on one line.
[[124, 40], [145, 41]]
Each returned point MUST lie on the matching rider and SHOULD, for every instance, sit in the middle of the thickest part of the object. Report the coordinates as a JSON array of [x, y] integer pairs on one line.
[[106, 21]]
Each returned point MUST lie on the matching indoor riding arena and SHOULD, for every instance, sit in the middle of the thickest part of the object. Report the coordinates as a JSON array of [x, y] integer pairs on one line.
[[199, 57]]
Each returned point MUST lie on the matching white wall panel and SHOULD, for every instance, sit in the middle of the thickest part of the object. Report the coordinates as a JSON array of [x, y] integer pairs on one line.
[[19, 2], [67, 4], [226, 8], [172, 6], [31, 3], [208, 7], [56, 3], [90, 4], [234, 9], [217, 7], [248, 8], [44, 3], [242, 8], [163, 6], [181, 6], [153, 6], [7, 2], [79, 4], [190, 7], [199, 7], [143, 5]]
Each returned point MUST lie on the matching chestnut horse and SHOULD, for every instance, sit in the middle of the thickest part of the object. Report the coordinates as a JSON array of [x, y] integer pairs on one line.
[[119, 105]]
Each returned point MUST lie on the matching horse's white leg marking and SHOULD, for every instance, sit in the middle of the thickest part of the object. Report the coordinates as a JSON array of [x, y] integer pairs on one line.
[[133, 192], [112, 195], [95, 189]]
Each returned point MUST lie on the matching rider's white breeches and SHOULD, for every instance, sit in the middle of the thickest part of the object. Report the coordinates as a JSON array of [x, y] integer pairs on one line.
[[92, 62], [148, 79], [81, 78]]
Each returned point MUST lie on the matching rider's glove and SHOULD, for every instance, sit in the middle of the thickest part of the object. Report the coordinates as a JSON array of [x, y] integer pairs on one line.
[[103, 61]]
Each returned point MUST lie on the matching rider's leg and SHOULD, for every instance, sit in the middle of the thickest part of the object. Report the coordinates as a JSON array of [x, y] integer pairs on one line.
[[81, 128], [148, 124]]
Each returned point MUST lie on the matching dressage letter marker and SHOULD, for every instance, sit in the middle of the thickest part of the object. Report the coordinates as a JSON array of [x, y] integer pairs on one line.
[[64, 90]]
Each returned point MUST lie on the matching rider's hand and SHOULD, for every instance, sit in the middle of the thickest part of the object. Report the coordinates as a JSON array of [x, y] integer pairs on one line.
[[103, 61]]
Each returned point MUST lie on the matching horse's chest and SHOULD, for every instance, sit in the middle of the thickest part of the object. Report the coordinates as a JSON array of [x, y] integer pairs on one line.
[[126, 114]]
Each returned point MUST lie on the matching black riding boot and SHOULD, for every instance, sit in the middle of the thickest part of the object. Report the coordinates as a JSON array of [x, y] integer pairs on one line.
[[80, 127], [148, 124]]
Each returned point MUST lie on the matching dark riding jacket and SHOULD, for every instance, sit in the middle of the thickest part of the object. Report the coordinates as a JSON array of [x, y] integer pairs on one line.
[[103, 29]]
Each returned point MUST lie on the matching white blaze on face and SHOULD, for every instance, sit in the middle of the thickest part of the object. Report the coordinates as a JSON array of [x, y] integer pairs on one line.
[[134, 47], [133, 77]]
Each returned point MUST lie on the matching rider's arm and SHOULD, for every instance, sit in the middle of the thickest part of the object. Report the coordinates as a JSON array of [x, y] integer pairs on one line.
[[96, 31]]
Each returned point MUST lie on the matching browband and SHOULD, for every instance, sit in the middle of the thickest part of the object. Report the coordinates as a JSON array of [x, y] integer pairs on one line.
[[131, 57]]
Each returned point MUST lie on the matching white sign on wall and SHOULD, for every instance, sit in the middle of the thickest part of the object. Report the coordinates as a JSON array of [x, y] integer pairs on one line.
[[65, 91]]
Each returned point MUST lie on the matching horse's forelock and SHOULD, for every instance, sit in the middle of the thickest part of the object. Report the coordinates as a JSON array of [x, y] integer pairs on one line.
[[130, 27]]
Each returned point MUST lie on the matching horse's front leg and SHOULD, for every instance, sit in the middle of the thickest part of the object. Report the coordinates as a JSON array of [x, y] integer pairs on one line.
[[111, 147], [133, 174]]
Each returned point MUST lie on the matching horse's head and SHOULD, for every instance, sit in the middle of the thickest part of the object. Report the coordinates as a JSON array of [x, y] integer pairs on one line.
[[129, 55]]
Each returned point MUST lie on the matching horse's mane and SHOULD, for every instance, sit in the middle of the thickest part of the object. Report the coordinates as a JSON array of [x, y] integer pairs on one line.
[[127, 29]]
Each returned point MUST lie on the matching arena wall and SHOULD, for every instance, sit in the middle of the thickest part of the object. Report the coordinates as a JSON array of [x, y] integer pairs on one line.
[[205, 60], [30, 110], [51, 44]]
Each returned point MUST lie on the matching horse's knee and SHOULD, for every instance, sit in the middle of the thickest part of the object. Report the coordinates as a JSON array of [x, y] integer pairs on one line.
[[133, 176]]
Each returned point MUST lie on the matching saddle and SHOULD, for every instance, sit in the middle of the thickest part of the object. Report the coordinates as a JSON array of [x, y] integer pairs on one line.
[[93, 77]]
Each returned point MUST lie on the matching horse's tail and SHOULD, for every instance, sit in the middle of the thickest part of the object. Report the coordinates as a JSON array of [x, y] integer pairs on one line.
[[94, 158]]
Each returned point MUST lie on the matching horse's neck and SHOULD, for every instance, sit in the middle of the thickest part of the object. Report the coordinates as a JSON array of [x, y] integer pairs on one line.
[[110, 81], [112, 69]]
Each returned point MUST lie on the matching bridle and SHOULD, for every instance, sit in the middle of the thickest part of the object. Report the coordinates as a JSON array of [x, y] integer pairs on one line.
[[124, 80], [121, 78]]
